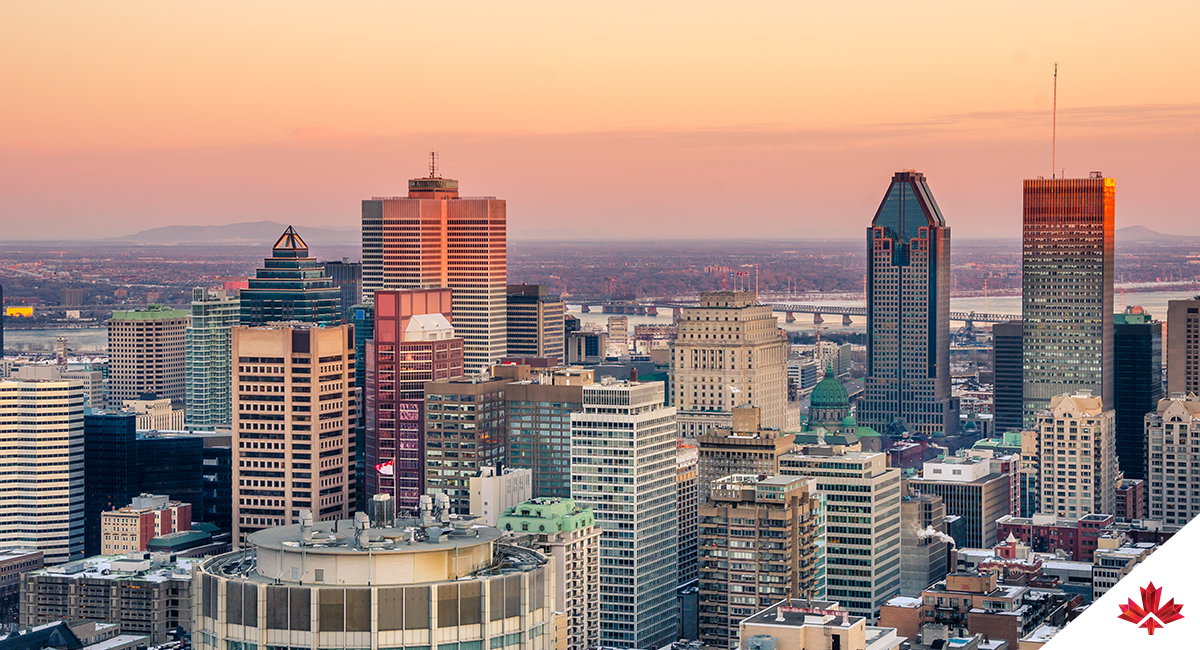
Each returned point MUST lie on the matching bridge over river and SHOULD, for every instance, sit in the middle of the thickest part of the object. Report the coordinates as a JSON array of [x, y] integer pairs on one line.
[[651, 308]]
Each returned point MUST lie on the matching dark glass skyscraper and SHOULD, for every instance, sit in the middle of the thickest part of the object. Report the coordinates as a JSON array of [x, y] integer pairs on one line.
[[1006, 365], [110, 469], [291, 286], [908, 314], [347, 277], [1137, 370]]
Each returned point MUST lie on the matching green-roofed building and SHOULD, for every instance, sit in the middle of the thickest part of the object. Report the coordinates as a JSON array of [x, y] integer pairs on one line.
[[830, 420], [147, 354], [567, 532]]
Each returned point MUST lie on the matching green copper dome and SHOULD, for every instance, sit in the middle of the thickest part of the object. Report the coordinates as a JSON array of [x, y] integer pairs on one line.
[[829, 393], [849, 422]]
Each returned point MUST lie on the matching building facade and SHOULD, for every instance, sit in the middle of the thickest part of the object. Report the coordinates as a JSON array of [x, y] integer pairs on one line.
[[1137, 371], [435, 238], [209, 352], [623, 453], [465, 429], [147, 353], [155, 413], [1078, 456], [129, 529], [924, 543], [1183, 346], [1008, 383], [1067, 289], [743, 448], [13, 563], [496, 489], [728, 352], [687, 490], [347, 277], [113, 478], [539, 427], [535, 323], [973, 489], [290, 286], [293, 424], [1172, 431]]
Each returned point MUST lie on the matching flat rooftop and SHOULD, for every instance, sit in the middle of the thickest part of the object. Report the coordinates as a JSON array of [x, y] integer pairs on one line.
[[338, 537]]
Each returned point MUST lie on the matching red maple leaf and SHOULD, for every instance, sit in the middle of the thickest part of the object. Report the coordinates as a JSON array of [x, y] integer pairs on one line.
[[1150, 615]]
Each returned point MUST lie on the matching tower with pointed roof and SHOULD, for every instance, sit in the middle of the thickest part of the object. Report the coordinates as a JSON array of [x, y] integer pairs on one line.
[[291, 286]]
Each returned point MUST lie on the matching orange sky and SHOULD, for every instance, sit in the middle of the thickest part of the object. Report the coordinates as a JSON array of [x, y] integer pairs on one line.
[[631, 118]]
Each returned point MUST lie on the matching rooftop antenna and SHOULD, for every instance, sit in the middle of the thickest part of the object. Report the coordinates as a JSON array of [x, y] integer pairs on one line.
[[433, 164], [1054, 128]]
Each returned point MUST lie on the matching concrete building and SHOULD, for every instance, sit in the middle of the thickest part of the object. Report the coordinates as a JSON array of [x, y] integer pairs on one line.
[[570, 535], [130, 529], [626, 434], [294, 398], [760, 542], [435, 238], [535, 323], [1131, 499], [1172, 436], [291, 286], [924, 542], [14, 562], [1025, 444], [969, 486], [742, 448], [155, 413], [908, 314], [796, 624], [687, 488], [539, 426], [465, 429], [145, 594], [1138, 373], [618, 336], [586, 348], [1078, 456], [1114, 559], [1183, 346], [383, 583], [147, 353], [1077, 539], [94, 388], [1008, 383], [1067, 289], [493, 492], [862, 514], [729, 352], [41, 480], [208, 337]]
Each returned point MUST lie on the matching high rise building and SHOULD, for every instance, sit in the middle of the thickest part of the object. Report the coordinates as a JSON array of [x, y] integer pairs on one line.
[[1137, 371], [923, 542], [908, 314], [687, 490], [623, 466], [760, 543], [41, 479], [147, 353], [743, 448], [465, 429], [2, 312], [1078, 456], [1172, 433], [413, 343], [111, 468], [729, 352], [618, 335], [862, 497], [1183, 346], [293, 424], [209, 350], [347, 277], [973, 488], [1008, 386], [291, 286], [539, 426], [435, 238], [535, 323], [1067, 289]]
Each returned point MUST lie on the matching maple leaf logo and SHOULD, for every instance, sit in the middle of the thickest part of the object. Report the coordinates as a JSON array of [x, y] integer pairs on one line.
[[1150, 615]]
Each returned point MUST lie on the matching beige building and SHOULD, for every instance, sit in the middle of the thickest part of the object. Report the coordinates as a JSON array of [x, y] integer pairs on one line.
[[795, 624], [494, 492], [758, 545], [687, 490], [129, 529], [1078, 456], [1172, 433], [618, 336], [41, 476], [294, 412], [1183, 346], [729, 352], [743, 448], [155, 413], [147, 352]]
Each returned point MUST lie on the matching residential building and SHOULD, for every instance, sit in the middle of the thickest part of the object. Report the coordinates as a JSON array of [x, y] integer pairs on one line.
[[41, 480], [147, 353], [1138, 372], [539, 426], [293, 396], [862, 522], [568, 533], [744, 447], [796, 624], [148, 516], [729, 352], [14, 562], [924, 543], [1078, 456], [1131, 499], [347, 277], [687, 489], [625, 433], [1008, 375], [155, 413], [495, 489], [907, 386], [1078, 539], [208, 359], [291, 286], [972, 487], [586, 348], [1067, 289], [1114, 559], [347, 577], [465, 429], [535, 323], [144, 594], [1173, 438], [618, 336], [435, 238], [1183, 346], [759, 543]]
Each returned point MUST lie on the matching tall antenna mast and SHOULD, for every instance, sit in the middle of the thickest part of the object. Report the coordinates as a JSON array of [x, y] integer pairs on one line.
[[433, 164], [1054, 127]]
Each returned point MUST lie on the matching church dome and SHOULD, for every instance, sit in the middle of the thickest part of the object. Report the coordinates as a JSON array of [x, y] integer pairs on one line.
[[829, 393]]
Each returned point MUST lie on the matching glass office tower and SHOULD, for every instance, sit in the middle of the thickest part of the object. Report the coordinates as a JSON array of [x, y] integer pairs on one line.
[[291, 286]]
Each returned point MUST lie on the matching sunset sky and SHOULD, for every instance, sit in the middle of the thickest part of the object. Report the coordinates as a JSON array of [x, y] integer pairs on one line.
[[626, 119]]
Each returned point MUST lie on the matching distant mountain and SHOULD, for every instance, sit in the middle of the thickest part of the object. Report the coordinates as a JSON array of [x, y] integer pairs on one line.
[[1144, 234], [257, 232], [560, 234]]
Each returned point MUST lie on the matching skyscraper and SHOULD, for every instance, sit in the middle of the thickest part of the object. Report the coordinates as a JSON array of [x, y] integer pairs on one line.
[[1172, 428], [209, 352], [687, 497], [729, 352], [1137, 370], [347, 277], [1075, 430], [1007, 388], [291, 286], [1183, 346], [1067, 289], [539, 426], [908, 313], [147, 353], [465, 429], [535, 323], [625, 439], [111, 467], [435, 238]]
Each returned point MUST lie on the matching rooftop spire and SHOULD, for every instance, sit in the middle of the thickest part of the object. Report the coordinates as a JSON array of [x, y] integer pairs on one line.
[[290, 241]]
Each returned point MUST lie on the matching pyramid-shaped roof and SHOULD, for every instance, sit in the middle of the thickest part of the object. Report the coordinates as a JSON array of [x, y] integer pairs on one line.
[[290, 241]]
